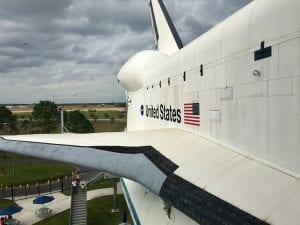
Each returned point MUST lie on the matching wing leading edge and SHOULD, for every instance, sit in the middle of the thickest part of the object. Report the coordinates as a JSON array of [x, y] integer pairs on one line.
[[185, 175]]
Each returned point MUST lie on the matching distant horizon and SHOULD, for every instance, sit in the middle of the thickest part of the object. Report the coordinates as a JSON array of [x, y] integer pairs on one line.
[[73, 103]]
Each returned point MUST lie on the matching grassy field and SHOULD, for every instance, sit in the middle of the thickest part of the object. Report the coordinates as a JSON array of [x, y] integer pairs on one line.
[[22, 114], [98, 213], [5, 203], [101, 126], [104, 114], [88, 114], [59, 219], [30, 174], [5, 156], [102, 183]]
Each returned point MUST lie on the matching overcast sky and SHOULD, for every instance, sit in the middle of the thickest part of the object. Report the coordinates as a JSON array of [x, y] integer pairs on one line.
[[72, 50]]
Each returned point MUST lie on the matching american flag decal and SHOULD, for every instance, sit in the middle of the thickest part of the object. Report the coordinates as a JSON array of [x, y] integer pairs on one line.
[[192, 114]]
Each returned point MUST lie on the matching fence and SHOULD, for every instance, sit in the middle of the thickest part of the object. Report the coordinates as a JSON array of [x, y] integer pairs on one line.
[[21, 192]]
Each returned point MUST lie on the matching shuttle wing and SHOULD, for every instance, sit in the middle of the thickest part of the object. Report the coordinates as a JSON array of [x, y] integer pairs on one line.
[[208, 182]]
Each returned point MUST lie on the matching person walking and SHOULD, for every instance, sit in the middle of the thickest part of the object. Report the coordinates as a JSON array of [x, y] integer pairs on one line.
[[77, 178], [2, 221], [74, 186], [82, 186]]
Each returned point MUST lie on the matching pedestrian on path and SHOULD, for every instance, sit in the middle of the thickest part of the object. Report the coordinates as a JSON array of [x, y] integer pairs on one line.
[[74, 186], [82, 186], [77, 178], [2, 221]]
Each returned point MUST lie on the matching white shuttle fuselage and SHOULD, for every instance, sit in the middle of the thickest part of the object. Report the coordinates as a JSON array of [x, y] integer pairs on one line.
[[244, 74], [258, 115]]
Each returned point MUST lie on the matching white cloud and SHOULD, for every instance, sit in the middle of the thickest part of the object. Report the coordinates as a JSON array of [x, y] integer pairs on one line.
[[71, 50]]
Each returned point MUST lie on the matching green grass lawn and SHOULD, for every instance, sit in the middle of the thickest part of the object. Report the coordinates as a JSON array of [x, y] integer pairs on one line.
[[104, 114], [5, 203], [102, 183], [101, 126], [30, 174], [4, 156], [22, 114], [59, 219], [99, 114], [98, 213]]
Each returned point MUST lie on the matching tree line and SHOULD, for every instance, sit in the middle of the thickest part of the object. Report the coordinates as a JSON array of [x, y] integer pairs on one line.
[[45, 118]]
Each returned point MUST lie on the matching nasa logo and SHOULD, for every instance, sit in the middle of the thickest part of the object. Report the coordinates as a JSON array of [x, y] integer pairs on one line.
[[142, 110]]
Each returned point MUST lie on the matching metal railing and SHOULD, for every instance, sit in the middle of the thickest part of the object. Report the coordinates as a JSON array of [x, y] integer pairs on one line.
[[23, 191], [60, 184], [78, 208]]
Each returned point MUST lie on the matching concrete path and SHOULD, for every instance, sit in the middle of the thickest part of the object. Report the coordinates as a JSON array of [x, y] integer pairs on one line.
[[60, 203]]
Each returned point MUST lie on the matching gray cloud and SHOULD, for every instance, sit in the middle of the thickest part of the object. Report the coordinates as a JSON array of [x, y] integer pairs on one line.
[[71, 50], [193, 17], [32, 9]]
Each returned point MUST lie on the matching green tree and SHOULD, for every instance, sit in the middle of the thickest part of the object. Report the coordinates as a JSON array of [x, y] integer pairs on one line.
[[8, 121], [121, 115], [77, 123], [94, 116], [47, 115], [106, 116], [26, 126]]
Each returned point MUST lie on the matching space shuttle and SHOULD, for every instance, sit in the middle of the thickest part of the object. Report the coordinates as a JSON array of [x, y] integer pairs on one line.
[[213, 127]]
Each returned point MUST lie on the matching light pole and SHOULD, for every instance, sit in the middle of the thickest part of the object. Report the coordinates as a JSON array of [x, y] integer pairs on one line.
[[14, 162], [61, 120]]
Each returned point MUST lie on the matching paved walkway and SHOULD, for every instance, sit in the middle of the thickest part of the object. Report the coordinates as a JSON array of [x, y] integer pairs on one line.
[[60, 203]]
